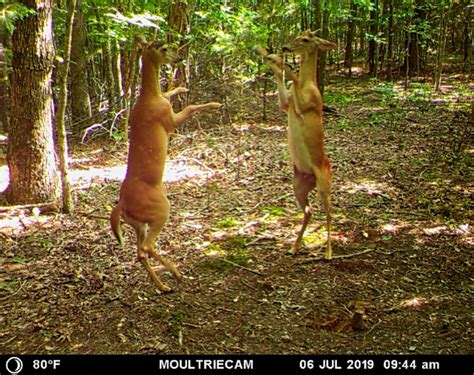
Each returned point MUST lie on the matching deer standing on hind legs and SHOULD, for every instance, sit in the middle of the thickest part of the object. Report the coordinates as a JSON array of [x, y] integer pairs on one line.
[[304, 106], [143, 203]]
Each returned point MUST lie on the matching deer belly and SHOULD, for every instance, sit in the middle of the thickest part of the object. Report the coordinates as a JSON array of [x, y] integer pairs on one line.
[[299, 153]]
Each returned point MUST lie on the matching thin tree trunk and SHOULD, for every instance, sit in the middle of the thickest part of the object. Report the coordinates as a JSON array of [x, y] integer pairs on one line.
[[322, 56], [389, 56], [3, 90], [80, 100], [178, 22], [349, 54], [440, 53], [372, 42], [467, 42], [129, 87], [61, 135]]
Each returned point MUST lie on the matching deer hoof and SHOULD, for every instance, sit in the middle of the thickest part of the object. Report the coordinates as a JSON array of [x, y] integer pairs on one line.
[[294, 250], [165, 289]]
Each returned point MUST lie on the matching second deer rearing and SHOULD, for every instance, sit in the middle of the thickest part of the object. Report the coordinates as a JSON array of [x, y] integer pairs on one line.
[[305, 127], [143, 203]]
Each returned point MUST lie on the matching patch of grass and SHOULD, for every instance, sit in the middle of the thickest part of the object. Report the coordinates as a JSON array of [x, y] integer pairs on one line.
[[316, 238], [20, 260], [7, 285], [234, 251], [339, 98], [274, 210], [385, 91], [228, 222]]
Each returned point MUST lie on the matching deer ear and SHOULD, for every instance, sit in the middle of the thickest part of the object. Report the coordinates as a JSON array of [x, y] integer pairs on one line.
[[315, 32]]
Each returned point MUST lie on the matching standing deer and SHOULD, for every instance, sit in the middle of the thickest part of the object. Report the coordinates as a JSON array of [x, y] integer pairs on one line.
[[304, 106], [143, 203]]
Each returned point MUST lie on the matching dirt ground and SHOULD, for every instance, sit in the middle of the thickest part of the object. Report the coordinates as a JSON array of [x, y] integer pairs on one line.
[[401, 280]]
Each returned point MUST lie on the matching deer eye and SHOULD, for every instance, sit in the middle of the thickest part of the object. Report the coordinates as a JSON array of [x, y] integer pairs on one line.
[[164, 49], [305, 40]]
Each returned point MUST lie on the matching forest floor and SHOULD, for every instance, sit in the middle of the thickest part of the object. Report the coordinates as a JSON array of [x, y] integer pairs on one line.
[[402, 200]]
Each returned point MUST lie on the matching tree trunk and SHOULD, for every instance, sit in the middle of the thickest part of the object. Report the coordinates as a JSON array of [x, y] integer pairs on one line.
[[178, 22], [322, 56], [61, 135], [80, 101], [389, 56], [373, 29], [3, 90], [30, 154], [349, 55], [440, 48], [129, 87], [467, 42], [414, 62]]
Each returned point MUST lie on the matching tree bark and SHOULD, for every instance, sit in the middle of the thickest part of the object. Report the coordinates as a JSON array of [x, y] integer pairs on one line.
[[80, 101], [389, 56], [178, 22], [61, 135], [372, 42], [322, 56], [348, 56], [30, 154]]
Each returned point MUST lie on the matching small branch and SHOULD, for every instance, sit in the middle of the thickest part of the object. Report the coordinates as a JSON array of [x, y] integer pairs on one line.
[[336, 256], [239, 266], [14, 293]]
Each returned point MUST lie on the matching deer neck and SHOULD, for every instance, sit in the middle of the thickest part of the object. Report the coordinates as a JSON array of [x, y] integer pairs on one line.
[[308, 70], [150, 78]]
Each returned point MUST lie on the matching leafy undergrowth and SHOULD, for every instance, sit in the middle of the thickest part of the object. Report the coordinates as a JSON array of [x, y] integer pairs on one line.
[[402, 209]]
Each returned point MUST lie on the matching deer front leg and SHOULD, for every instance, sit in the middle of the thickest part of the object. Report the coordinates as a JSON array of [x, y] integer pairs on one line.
[[175, 91], [278, 66], [190, 109], [274, 62]]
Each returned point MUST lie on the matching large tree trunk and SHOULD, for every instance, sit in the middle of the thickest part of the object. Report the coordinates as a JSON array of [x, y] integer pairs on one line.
[[80, 101], [30, 154]]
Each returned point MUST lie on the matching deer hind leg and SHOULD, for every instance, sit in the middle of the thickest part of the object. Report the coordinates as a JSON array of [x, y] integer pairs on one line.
[[149, 248], [303, 183], [324, 183], [146, 247], [142, 235]]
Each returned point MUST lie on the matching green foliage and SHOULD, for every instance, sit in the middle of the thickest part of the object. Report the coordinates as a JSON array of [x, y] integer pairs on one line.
[[13, 11], [227, 254]]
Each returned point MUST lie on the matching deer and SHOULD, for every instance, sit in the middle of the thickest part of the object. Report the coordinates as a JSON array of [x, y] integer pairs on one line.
[[143, 202], [304, 106]]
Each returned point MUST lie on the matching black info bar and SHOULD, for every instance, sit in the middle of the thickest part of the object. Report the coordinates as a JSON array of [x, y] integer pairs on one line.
[[17, 364]]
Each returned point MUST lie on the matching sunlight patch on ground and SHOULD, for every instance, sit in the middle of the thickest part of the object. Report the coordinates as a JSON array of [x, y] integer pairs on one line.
[[176, 170], [365, 185]]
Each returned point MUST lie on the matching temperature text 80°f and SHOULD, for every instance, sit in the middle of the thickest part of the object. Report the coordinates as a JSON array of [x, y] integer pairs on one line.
[[43, 364]]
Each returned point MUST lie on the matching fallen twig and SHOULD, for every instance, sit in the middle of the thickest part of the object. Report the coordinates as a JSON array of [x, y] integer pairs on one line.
[[316, 259], [14, 293], [239, 266]]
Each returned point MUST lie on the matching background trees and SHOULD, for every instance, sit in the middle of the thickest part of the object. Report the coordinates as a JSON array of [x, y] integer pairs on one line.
[[387, 39]]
